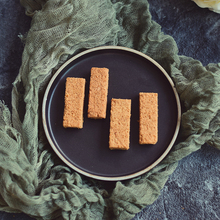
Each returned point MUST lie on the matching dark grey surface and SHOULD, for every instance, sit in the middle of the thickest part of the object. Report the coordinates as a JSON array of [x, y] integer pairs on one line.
[[195, 30], [13, 22], [193, 190]]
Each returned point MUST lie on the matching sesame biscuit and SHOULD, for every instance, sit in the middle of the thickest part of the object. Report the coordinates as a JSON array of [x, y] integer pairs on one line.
[[74, 102], [98, 91], [148, 121], [119, 135]]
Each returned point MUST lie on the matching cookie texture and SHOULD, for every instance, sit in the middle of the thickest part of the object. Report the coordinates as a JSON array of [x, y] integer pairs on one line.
[[74, 102], [148, 121], [119, 135], [98, 91]]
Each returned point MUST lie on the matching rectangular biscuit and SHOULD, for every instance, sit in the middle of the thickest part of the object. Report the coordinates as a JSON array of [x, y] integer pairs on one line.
[[148, 118], [98, 91], [74, 102], [119, 135]]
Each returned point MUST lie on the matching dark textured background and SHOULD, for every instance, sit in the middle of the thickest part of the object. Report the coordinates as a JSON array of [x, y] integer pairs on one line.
[[193, 190]]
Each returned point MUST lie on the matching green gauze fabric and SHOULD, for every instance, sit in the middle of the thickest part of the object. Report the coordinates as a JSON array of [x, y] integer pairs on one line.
[[33, 180]]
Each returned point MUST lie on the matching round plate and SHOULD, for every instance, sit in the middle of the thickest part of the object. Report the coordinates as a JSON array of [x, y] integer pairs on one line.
[[87, 150]]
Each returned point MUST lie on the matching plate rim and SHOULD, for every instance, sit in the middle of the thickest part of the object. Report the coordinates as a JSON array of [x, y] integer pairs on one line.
[[106, 178]]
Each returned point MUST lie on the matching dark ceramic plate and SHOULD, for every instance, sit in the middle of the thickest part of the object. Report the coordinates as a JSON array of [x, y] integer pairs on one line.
[[86, 150]]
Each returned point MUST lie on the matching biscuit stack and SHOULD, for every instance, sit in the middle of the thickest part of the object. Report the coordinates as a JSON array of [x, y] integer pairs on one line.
[[119, 133]]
